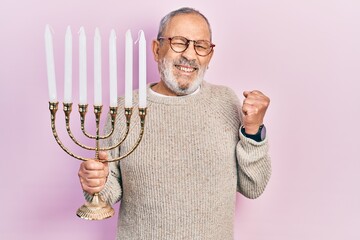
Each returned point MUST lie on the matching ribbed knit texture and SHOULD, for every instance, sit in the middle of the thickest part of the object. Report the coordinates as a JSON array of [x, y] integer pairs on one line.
[[181, 182]]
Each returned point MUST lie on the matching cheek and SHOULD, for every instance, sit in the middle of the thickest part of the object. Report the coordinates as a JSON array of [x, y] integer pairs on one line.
[[204, 62], [165, 52], [169, 55]]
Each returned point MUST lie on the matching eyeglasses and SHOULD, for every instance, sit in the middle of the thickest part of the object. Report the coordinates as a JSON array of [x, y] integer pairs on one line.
[[179, 44]]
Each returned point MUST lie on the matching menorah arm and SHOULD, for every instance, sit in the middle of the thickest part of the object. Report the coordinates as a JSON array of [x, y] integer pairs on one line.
[[113, 112], [128, 113], [83, 111], [142, 114], [53, 106], [67, 111]]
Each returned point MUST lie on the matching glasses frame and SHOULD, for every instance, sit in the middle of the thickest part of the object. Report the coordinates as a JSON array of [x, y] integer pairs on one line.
[[187, 44]]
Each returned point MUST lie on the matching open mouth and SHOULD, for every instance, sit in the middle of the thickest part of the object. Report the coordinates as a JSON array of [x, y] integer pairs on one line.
[[187, 69]]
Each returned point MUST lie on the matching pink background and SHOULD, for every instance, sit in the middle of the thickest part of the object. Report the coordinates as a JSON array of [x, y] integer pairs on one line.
[[304, 54]]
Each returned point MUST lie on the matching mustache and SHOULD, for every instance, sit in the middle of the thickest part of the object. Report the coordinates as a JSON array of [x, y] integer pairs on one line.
[[185, 61]]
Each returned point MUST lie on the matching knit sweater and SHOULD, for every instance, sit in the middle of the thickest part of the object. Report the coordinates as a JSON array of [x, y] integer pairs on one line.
[[181, 181]]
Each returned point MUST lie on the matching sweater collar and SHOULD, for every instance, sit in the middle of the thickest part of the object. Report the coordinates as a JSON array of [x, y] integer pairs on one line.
[[152, 96]]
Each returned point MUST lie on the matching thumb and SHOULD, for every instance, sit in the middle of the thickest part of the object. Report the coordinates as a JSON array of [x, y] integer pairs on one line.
[[246, 93], [103, 156]]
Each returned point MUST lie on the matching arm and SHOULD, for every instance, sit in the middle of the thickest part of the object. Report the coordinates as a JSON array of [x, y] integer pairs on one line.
[[254, 166]]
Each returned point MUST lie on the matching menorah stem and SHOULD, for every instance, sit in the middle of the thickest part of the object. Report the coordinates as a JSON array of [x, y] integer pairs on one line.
[[83, 111], [97, 209], [97, 111]]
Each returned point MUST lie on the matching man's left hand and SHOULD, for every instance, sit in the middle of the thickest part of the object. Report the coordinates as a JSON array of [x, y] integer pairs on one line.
[[254, 108]]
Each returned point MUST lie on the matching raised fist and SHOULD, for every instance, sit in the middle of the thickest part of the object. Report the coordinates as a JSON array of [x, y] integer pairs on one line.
[[254, 108]]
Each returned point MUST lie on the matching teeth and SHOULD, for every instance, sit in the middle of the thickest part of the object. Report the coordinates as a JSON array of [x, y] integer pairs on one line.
[[186, 69]]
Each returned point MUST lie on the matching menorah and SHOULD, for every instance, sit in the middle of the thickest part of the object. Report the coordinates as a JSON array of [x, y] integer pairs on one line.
[[97, 209]]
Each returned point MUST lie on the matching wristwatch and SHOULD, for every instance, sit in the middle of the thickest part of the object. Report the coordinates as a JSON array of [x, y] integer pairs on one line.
[[259, 136]]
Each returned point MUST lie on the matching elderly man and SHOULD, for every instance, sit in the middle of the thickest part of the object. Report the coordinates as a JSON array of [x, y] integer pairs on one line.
[[199, 148]]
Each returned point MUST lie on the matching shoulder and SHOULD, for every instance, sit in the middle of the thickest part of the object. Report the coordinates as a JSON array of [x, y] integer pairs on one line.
[[223, 100], [221, 93]]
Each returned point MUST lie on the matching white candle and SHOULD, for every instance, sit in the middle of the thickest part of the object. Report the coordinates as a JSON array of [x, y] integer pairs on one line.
[[128, 69], [68, 66], [113, 69], [97, 68], [82, 67], [50, 64], [142, 71]]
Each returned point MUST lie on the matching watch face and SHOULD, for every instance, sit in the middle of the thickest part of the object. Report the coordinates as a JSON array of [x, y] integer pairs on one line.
[[263, 133]]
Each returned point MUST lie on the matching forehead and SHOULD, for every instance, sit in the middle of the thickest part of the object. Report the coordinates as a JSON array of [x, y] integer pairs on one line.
[[191, 26]]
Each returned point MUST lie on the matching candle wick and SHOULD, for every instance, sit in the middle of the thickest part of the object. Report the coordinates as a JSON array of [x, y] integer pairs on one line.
[[138, 39], [51, 29], [81, 30]]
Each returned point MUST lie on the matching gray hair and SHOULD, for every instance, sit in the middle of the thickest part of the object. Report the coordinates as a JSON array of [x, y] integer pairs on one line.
[[185, 10]]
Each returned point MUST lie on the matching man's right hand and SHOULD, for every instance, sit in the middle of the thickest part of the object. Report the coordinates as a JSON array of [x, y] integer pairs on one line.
[[93, 174]]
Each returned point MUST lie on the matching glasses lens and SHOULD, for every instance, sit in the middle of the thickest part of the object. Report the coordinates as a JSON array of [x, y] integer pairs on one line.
[[179, 44], [203, 47]]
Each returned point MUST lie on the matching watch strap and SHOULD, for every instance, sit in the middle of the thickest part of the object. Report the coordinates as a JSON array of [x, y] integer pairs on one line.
[[258, 137]]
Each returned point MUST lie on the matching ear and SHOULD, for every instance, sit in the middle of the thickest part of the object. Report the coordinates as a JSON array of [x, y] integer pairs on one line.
[[156, 49]]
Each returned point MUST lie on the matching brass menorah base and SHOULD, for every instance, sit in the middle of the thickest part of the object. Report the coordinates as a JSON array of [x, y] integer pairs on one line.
[[97, 209]]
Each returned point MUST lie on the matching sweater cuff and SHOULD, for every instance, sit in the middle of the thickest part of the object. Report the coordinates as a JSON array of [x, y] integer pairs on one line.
[[105, 194], [249, 150], [251, 141]]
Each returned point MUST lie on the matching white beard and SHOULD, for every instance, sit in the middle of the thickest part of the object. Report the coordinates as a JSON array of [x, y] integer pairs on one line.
[[166, 71]]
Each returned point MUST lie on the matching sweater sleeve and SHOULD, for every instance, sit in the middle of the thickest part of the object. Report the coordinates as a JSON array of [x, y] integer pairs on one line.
[[112, 191], [253, 160], [254, 166]]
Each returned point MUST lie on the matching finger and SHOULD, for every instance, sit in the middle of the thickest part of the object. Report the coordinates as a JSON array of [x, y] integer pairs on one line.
[[250, 113], [249, 101], [103, 158], [94, 182], [262, 98], [93, 165], [94, 185], [245, 109], [250, 109], [246, 93], [103, 155], [257, 92], [100, 174], [257, 100], [254, 96]]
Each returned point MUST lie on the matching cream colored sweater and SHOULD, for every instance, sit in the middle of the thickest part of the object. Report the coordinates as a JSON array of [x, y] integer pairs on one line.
[[181, 182]]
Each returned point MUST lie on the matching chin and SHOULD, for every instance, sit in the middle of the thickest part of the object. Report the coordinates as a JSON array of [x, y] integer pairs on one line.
[[182, 89], [185, 84]]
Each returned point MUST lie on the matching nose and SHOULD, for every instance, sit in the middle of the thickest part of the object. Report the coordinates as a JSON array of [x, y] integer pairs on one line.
[[190, 53]]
